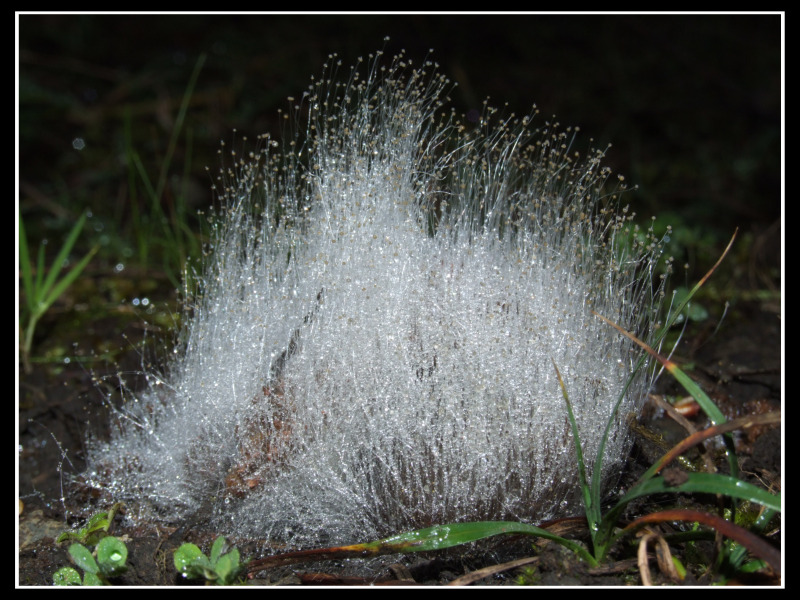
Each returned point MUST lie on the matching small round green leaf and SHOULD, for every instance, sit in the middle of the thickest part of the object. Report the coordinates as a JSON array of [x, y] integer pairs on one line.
[[83, 558], [192, 563], [112, 554], [66, 576], [185, 555]]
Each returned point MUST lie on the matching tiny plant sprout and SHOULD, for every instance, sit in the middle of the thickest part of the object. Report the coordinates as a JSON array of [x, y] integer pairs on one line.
[[110, 562], [220, 568], [96, 528]]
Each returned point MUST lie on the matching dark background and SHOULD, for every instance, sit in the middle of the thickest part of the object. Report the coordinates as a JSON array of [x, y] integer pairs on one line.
[[692, 105]]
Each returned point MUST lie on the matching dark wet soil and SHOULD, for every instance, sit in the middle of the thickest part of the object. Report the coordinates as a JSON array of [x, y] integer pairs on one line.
[[739, 367]]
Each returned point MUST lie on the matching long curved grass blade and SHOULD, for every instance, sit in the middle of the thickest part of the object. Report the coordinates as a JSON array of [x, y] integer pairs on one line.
[[592, 511], [752, 542], [431, 538], [601, 537], [698, 394], [711, 410], [705, 483], [705, 403], [37, 285], [176, 130]]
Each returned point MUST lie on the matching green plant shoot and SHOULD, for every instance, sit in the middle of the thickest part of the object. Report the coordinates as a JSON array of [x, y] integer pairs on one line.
[[111, 556], [96, 528], [41, 291], [220, 568]]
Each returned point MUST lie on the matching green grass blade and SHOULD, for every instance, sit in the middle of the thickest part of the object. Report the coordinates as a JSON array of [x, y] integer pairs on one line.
[[591, 507], [57, 265], [421, 540], [752, 542], [133, 197], [708, 406], [176, 130], [67, 280], [601, 538], [763, 519], [28, 343], [455, 534], [151, 193], [711, 410], [706, 483], [25, 266], [38, 292]]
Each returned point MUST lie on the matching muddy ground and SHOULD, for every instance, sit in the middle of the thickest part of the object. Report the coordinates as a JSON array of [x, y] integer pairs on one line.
[[740, 368]]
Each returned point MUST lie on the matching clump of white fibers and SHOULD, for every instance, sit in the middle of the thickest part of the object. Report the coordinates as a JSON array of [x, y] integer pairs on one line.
[[373, 347]]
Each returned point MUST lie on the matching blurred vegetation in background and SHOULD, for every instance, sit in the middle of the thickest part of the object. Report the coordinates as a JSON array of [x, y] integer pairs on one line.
[[121, 115]]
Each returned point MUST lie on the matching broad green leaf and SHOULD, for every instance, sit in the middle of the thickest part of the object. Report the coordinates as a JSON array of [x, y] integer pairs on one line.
[[83, 558]]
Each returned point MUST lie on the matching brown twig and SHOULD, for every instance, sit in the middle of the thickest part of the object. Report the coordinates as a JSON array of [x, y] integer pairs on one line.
[[474, 576]]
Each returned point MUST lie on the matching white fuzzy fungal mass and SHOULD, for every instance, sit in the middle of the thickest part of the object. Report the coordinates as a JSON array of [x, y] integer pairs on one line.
[[373, 349]]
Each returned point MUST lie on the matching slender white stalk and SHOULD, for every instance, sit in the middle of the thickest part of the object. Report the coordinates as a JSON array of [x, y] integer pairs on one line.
[[372, 350]]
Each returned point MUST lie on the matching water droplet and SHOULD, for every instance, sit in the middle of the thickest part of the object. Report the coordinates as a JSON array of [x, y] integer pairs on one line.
[[358, 363]]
